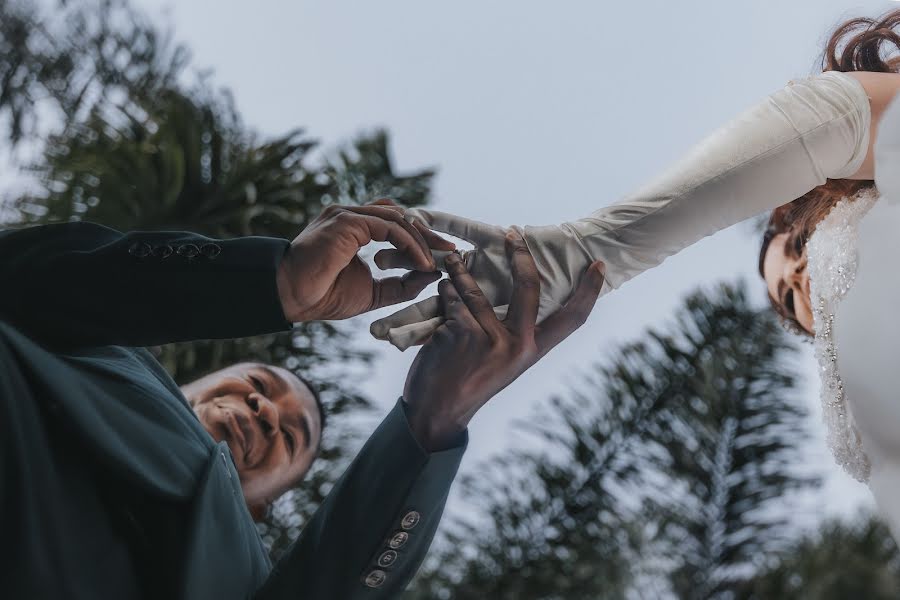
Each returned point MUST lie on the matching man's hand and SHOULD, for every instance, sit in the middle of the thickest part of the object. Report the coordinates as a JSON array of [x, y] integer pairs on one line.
[[321, 276], [473, 355]]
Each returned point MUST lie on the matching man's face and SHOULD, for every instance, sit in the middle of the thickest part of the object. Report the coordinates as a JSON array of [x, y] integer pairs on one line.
[[268, 418]]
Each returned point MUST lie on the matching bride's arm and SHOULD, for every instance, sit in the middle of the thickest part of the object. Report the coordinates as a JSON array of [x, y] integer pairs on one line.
[[777, 150], [881, 89]]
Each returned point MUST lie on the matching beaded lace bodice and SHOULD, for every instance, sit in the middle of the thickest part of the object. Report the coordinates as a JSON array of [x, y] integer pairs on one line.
[[832, 264]]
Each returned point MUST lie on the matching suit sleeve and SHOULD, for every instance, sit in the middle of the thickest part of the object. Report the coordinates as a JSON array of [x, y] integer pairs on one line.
[[86, 284], [373, 530]]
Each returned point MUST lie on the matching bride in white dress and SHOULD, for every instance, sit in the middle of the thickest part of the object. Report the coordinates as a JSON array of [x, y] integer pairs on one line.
[[830, 265], [830, 144]]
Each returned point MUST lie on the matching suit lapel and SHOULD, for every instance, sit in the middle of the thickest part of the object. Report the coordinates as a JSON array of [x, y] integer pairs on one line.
[[224, 550]]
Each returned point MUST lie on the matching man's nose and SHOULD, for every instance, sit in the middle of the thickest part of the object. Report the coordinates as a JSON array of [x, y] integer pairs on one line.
[[265, 411]]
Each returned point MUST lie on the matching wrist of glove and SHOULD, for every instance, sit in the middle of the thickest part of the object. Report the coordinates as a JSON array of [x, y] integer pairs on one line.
[[560, 257]]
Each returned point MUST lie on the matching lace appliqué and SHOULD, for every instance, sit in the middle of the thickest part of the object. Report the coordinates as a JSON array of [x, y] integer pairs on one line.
[[832, 261]]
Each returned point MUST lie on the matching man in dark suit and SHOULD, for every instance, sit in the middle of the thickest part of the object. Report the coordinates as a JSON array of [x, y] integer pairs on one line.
[[117, 484]]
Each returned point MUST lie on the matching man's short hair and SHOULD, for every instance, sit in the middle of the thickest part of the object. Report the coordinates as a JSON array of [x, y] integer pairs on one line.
[[318, 398]]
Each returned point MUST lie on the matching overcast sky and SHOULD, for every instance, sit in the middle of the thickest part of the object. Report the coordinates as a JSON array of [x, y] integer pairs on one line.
[[533, 113]]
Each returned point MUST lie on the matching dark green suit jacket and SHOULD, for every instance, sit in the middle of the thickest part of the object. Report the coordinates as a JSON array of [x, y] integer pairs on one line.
[[111, 488]]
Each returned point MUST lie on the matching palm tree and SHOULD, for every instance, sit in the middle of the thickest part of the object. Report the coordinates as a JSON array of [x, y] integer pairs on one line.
[[59, 60]]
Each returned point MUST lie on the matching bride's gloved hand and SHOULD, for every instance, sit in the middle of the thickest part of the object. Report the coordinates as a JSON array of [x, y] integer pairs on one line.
[[794, 140], [560, 261]]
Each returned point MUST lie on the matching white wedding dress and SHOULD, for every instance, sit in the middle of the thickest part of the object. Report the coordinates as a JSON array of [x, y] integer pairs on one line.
[[854, 256]]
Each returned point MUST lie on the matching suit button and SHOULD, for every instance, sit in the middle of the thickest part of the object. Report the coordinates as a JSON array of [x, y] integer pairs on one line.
[[387, 559], [188, 250], [398, 540], [164, 251], [375, 578], [210, 251], [410, 520], [139, 249]]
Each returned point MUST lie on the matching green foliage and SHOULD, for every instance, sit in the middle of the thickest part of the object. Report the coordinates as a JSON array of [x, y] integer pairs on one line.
[[748, 430], [840, 561], [134, 147], [59, 60], [660, 472]]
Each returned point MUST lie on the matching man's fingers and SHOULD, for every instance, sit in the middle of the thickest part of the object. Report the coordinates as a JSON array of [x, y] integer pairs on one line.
[[456, 313], [386, 202], [396, 213], [570, 317], [390, 258], [435, 241], [396, 232], [393, 290], [410, 315], [472, 295], [479, 234], [419, 251], [526, 295]]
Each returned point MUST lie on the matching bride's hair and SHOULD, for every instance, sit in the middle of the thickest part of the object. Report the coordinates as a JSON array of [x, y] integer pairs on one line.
[[860, 44]]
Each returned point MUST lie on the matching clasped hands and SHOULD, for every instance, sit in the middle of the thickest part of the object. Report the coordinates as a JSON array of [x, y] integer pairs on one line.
[[560, 252], [322, 277], [467, 357]]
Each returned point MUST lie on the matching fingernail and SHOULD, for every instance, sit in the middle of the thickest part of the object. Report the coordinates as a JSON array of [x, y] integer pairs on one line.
[[452, 258], [379, 330]]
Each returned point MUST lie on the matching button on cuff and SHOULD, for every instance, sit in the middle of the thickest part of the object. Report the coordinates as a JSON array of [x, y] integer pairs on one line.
[[188, 250], [139, 249], [164, 251], [398, 540], [410, 520], [375, 578], [210, 250], [388, 558]]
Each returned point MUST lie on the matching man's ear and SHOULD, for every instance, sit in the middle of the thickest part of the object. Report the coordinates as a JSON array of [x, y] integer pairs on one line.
[[259, 511]]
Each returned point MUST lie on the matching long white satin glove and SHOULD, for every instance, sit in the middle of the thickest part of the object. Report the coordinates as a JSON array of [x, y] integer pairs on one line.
[[809, 131]]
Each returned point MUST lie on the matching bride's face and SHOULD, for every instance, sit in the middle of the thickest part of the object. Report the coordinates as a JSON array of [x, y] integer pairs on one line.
[[784, 269]]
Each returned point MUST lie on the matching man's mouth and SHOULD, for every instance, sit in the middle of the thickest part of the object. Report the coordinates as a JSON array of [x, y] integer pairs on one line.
[[237, 426]]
